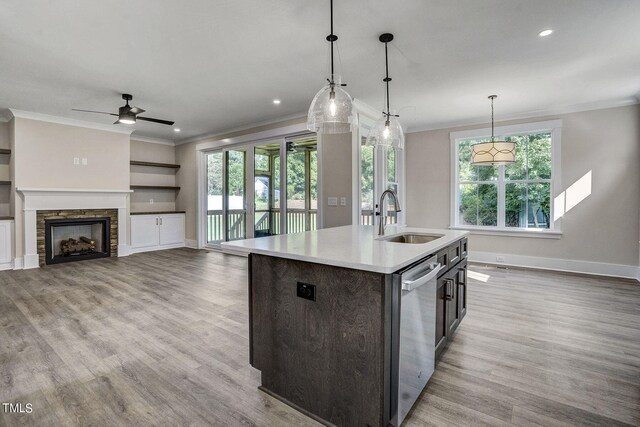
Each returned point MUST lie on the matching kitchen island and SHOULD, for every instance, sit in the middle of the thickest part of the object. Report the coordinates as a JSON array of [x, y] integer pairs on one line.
[[331, 328]]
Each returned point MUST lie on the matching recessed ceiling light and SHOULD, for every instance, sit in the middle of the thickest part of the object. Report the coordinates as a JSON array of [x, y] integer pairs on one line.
[[545, 33], [176, 129], [276, 101]]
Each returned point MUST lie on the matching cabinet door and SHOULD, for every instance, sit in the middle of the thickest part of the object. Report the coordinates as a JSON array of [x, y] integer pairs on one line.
[[452, 309], [464, 248], [441, 317], [171, 230], [462, 290], [144, 231]]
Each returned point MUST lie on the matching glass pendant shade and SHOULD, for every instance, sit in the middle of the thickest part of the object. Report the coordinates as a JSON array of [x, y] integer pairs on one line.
[[386, 131], [493, 153], [331, 110]]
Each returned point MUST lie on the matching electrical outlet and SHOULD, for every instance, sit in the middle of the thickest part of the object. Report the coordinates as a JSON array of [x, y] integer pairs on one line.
[[76, 160], [343, 201], [499, 258], [150, 201], [306, 291], [84, 161]]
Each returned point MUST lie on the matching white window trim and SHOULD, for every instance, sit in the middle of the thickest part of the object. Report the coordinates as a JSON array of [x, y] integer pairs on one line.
[[553, 126]]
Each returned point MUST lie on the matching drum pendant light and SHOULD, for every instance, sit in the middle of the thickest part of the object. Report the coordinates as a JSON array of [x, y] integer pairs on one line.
[[331, 110], [387, 130], [493, 153]]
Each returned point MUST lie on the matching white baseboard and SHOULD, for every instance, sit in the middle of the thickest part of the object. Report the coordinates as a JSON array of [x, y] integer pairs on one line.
[[6, 266], [558, 264], [31, 261], [124, 250], [156, 248], [18, 263], [193, 244]]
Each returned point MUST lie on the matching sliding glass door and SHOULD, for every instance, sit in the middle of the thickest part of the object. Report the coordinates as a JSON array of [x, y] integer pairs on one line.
[[226, 202], [245, 184], [302, 184], [236, 194], [266, 184], [215, 214]]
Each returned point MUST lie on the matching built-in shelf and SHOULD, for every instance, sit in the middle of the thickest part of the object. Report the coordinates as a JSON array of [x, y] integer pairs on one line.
[[153, 164], [5, 182], [7, 151], [154, 187], [158, 213]]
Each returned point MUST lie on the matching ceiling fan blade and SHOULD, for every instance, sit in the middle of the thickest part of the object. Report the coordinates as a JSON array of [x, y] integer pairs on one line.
[[136, 110], [91, 111], [163, 122]]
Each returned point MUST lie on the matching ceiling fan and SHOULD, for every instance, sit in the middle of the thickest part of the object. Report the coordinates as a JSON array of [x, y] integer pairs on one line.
[[128, 114]]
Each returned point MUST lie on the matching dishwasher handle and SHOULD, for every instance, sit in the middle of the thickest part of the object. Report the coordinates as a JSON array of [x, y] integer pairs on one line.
[[410, 285]]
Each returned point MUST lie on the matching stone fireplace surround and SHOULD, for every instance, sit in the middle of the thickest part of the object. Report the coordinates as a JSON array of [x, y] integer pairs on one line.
[[67, 200]]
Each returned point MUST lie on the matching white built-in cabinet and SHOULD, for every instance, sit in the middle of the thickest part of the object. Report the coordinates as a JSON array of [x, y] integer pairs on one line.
[[6, 244], [155, 232]]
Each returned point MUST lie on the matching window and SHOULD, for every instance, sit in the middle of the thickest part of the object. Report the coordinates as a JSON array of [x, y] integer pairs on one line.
[[515, 197], [380, 169]]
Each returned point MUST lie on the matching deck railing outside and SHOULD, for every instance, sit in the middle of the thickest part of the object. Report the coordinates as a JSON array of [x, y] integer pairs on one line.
[[367, 218], [267, 222]]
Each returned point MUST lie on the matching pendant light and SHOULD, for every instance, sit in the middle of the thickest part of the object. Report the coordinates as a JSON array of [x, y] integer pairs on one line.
[[493, 153], [331, 110], [387, 130]]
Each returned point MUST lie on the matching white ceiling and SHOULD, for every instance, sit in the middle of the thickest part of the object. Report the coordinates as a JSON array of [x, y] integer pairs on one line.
[[217, 65]]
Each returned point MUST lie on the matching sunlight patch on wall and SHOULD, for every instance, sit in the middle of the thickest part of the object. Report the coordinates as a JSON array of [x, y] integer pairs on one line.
[[572, 196]]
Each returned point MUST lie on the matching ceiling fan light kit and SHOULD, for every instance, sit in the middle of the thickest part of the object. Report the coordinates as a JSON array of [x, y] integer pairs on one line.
[[331, 111], [493, 153], [128, 115], [387, 130]]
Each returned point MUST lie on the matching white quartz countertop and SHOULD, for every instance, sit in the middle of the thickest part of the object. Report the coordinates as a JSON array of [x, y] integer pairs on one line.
[[352, 246]]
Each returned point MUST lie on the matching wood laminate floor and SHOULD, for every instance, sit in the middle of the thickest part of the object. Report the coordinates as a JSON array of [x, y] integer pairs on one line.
[[162, 339]]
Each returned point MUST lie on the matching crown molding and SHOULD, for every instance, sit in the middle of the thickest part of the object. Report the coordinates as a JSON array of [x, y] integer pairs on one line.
[[219, 135], [151, 140], [5, 115], [576, 108], [366, 109], [67, 121]]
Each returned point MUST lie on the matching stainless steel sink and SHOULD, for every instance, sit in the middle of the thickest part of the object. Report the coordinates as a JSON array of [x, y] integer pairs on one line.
[[412, 238]]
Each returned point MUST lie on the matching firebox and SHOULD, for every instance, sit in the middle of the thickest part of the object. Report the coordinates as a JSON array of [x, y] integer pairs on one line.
[[75, 239]]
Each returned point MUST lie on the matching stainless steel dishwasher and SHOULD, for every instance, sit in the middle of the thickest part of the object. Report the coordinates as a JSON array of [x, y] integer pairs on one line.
[[415, 334]]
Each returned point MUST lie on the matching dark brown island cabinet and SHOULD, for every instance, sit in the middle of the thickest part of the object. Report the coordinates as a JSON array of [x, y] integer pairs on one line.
[[326, 338]]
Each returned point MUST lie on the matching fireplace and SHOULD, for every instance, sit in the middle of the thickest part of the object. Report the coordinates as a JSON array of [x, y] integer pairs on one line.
[[76, 234], [75, 239]]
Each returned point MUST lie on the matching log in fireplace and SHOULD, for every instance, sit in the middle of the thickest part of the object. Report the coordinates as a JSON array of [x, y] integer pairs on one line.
[[75, 239]]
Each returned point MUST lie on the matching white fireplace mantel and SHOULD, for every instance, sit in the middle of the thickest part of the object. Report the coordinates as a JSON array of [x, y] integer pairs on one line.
[[35, 199]]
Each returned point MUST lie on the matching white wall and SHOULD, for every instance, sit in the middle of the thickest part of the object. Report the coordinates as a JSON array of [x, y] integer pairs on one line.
[[603, 228]]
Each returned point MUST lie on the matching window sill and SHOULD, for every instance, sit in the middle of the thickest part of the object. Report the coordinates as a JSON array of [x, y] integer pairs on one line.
[[539, 234]]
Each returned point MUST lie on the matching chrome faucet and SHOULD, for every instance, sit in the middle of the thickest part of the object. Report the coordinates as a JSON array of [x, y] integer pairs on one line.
[[380, 212]]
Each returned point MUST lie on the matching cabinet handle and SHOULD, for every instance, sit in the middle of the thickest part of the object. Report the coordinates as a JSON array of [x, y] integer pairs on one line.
[[462, 281], [160, 221], [156, 221], [448, 295]]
